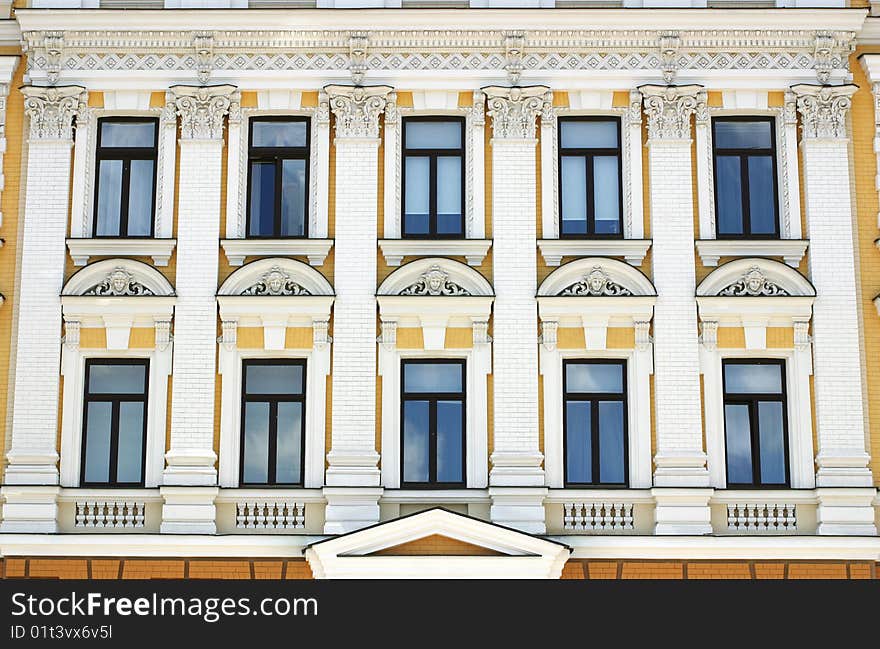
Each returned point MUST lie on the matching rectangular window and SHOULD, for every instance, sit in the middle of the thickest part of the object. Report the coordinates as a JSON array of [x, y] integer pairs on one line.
[[744, 156], [755, 427], [125, 173], [594, 423], [273, 422], [433, 423], [590, 186], [114, 423], [278, 177], [433, 178]]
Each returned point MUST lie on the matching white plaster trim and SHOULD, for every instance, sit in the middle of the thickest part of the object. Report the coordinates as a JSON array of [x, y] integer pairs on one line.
[[712, 250], [238, 250], [632, 250], [433, 496], [396, 250], [159, 249]]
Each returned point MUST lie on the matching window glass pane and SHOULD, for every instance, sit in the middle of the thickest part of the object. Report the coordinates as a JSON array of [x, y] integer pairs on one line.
[[278, 134], [288, 448], [574, 195], [728, 195], [742, 135], [262, 204], [433, 135], [97, 449], [293, 197], [128, 134], [256, 443], [755, 378], [140, 198], [432, 377], [109, 197], [589, 134], [449, 442], [578, 442], [607, 195], [762, 195], [116, 379], [130, 452], [771, 438], [593, 377], [415, 441], [739, 445], [417, 194], [449, 195], [611, 456], [274, 379]]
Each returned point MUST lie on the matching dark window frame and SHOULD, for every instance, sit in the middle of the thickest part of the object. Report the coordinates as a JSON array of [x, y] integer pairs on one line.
[[751, 399], [126, 154], [743, 155], [589, 154], [115, 399], [593, 398], [278, 155], [273, 399], [432, 154], [433, 398]]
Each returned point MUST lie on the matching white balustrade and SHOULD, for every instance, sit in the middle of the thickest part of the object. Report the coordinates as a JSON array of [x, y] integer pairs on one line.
[[109, 513], [598, 517], [268, 514], [761, 517]]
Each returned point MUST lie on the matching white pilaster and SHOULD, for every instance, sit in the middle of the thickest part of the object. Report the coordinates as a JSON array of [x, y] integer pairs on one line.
[[191, 458], [353, 458], [516, 458]]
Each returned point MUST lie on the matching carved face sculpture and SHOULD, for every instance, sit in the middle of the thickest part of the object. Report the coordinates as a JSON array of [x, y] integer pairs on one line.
[[754, 280], [275, 281], [119, 280], [434, 280], [596, 280]]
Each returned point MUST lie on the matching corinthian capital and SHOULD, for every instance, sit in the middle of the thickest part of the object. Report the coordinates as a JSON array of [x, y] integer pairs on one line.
[[51, 110], [823, 109], [514, 110], [669, 110], [357, 109], [201, 109]]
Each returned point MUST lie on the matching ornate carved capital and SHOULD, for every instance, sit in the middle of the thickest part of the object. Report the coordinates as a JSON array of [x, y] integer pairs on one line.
[[823, 109], [709, 334], [202, 109], [549, 330], [162, 330], [357, 109], [388, 337], [669, 110], [515, 109], [51, 110], [320, 335]]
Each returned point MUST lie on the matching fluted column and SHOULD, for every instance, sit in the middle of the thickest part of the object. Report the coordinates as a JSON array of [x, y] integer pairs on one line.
[[353, 460]]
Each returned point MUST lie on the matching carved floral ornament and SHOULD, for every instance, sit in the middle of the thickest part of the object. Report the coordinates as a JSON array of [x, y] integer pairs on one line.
[[51, 110], [357, 108], [119, 282], [275, 282], [434, 281], [202, 109], [514, 110], [823, 109], [596, 283], [753, 283], [669, 110]]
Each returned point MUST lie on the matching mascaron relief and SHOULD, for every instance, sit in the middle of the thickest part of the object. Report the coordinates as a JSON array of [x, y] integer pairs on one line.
[[275, 282], [434, 281], [753, 283], [596, 283], [119, 283]]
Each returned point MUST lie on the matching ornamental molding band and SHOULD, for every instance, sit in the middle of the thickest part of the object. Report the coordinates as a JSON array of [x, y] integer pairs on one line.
[[514, 110], [357, 109], [596, 283], [753, 277], [823, 109], [118, 278], [54, 53], [753, 283], [276, 282], [202, 109], [435, 281], [669, 110], [52, 110]]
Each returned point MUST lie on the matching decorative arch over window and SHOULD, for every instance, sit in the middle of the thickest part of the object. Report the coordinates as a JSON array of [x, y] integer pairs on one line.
[[755, 277], [596, 277], [275, 294], [118, 278], [436, 277]]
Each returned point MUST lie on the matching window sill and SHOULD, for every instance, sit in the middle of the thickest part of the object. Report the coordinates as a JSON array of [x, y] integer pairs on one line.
[[632, 250], [712, 250], [159, 249], [473, 250], [237, 250]]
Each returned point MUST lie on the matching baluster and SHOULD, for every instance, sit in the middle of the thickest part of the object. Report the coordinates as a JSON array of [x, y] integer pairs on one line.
[[139, 515], [300, 517], [764, 515], [80, 515], [628, 519]]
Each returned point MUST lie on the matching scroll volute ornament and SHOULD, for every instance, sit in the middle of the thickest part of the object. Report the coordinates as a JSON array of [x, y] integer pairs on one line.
[[669, 110], [823, 109], [357, 109], [51, 110], [514, 110], [202, 109]]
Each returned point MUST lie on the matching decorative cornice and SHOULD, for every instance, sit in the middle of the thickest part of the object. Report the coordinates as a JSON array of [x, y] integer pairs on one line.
[[51, 110], [357, 109], [118, 283], [823, 109], [596, 283], [515, 109], [202, 109], [669, 110], [435, 281], [753, 283], [275, 282]]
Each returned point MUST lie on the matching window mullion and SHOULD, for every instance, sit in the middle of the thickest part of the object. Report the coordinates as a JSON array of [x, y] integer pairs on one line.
[[113, 468], [273, 442], [124, 197], [756, 442], [432, 194], [432, 440], [279, 167], [744, 194], [594, 440], [590, 203]]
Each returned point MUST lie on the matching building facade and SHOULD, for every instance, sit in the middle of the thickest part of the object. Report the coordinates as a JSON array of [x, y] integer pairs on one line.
[[520, 289]]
